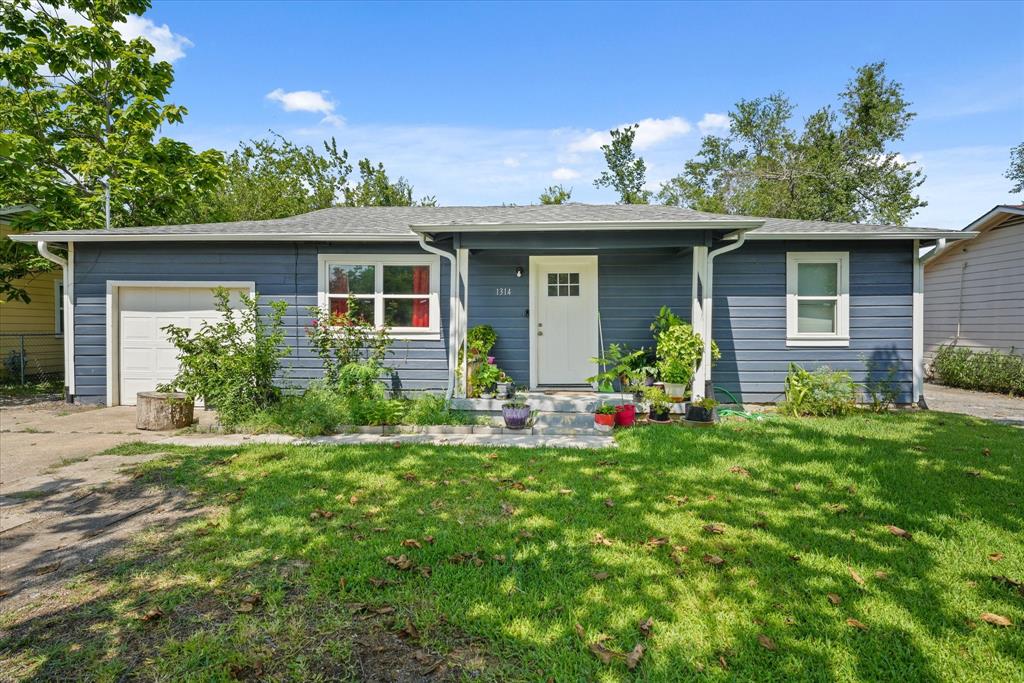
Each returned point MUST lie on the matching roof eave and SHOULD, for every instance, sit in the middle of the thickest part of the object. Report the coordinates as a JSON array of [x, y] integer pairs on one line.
[[71, 236], [1002, 209], [865, 235]]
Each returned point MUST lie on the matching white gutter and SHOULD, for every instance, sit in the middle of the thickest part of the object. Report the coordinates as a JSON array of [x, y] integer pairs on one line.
[[588, 226], [708, 305], [69, 366], [453, 303], [124, 235]]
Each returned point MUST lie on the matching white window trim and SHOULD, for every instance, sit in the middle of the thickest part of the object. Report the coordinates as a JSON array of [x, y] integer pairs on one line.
[[380, 260], [841, 337], [58, 308]]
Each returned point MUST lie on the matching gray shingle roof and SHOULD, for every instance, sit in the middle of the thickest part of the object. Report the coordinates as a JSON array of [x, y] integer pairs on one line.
[[395, 222]]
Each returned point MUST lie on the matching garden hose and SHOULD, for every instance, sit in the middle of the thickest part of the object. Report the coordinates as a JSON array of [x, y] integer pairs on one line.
[[738, 411]]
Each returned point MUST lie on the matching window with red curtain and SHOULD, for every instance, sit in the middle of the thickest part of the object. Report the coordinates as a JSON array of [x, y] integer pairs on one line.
[[421, 307], [388, 290]]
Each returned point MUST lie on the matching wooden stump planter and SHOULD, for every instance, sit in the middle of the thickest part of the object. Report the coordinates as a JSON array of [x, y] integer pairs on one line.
[[161, 410]]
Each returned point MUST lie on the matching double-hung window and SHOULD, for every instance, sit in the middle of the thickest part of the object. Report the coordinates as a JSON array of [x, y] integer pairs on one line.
[[818, 298], [399, 291]]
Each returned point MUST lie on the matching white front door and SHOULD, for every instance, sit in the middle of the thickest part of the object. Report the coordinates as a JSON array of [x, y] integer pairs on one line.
[[565, 319], [147, 358]]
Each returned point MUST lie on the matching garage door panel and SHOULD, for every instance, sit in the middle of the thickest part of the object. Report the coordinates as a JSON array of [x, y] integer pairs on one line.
[[147, 358]]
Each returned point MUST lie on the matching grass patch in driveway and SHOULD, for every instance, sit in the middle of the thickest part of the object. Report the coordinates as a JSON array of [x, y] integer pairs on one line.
[[757, 550]]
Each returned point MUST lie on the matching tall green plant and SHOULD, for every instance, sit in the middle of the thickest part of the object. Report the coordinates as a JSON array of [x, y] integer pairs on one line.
[[231, 363], [823, 392], [347, 338]]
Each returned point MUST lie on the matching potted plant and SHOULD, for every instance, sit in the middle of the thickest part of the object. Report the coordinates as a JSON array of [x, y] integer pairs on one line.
[[617, 367], [604, 417], [485, 379], [659, 404], [625, 415], [515, 412], [679, 352], [480, 339], [504, 385], [702, 412]]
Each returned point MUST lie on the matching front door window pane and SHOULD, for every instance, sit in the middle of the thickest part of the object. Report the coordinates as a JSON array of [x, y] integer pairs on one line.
[[816, 317]]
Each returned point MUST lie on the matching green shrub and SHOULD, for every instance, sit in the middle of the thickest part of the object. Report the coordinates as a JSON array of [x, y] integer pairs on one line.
[[824, 392], [432, 409], [993, 370], [481, 339], [315, 412], [231, 363]]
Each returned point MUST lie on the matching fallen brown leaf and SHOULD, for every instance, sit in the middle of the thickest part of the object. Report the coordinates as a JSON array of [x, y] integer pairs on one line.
[[342, 584], [714, 528], [599, 539], [856, 577], [736, 469], [507, 509], [153, 614], [601, 652], [986, 452], [995, 619], [402, 563], [428, 539], [656, 542], [580, 632], [902, 533], [411, 543], [834, 599], [47, 568], [995, 557], [856, 624], [767, 643], [646, 626], [565, 492], [600, 576], [633, 658], [713, 560], [425, 571], [609, 503], [381, 583], [409, 630], [882, 575]]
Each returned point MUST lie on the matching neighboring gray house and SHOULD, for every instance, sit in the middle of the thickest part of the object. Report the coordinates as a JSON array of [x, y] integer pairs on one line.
[[552, 280], [974, 292]]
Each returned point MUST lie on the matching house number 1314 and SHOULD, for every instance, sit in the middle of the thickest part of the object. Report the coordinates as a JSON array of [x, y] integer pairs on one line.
[[504, 291]]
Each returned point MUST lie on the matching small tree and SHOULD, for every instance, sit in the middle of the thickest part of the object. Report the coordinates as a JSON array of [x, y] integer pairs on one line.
[[555, 194], [626, 172], [231, 363], [1016, 170]]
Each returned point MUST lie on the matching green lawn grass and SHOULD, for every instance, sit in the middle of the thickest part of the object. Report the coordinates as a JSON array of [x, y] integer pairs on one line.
[[804, 504]]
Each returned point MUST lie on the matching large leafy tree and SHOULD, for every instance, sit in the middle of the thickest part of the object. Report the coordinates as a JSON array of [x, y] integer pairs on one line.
[[840, 167], [274, 177], [556, 194], [1016, 171], [80, 107], [376, 189], [626, 172]]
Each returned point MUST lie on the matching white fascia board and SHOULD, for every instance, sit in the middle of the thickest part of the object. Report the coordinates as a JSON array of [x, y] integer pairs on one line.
[[588, 226], [855, 236], [209, 237], [997, 211]]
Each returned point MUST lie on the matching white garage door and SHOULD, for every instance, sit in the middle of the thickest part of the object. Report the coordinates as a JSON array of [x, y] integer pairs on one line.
[[147, 358]]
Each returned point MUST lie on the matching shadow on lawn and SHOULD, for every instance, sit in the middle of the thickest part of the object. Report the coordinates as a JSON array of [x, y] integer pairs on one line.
[[810, 502]]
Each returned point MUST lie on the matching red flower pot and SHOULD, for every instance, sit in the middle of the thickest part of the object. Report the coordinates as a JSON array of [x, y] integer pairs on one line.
[[625, 415], [604, 420]]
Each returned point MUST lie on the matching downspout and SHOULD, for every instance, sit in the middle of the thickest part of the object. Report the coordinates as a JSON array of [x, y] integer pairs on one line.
[[453, 299], [44, 250], [709, 389]]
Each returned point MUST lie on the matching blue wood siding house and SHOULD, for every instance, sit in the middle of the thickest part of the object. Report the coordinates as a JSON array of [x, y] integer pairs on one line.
[[557, 283]]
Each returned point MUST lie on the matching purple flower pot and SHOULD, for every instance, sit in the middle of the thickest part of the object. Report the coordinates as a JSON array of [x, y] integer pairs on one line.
[[515, 416]]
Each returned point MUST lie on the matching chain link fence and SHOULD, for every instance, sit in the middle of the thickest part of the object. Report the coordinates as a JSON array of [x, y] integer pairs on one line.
[[31, 358]]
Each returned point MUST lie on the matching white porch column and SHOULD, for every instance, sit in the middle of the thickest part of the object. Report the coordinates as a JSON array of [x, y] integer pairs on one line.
[[698, 313], [918, 326], [462, 259]]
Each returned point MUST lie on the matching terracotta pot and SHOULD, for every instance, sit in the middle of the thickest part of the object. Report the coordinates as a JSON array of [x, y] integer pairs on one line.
[[603, 422]]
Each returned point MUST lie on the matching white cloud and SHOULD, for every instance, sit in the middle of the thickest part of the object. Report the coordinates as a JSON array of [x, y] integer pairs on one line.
[[565, 174], [651, 132], [713, 123], [169, 46], [309, 101], [511, 162]]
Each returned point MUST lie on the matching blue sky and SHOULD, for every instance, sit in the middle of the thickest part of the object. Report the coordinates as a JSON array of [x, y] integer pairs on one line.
[[490, 103]]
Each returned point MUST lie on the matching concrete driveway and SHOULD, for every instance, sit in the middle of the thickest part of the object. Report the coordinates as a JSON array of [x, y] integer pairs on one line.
[[996, 407], [61, 504]]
